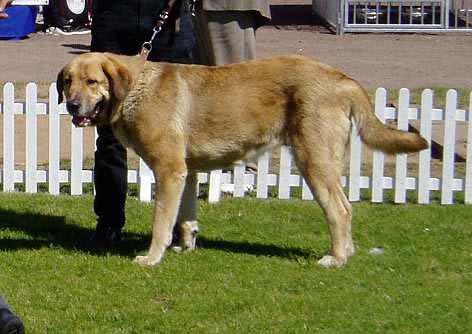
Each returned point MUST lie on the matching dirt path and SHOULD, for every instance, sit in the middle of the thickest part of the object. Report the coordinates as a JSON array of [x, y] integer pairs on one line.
[[387, 60], [393, 61]]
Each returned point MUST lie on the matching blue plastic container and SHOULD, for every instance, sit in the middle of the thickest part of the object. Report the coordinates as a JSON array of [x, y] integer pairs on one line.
[[21, 21]]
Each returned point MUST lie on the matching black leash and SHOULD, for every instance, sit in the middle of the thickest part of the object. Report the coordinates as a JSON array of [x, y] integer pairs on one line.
[[171, 10]]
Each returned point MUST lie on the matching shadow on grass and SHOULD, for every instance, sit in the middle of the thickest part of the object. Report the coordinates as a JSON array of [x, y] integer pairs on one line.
[[255, 248], [55, 231]]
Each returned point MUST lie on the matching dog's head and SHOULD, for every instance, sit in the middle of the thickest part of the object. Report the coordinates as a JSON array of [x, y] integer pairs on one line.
[[93, 84]]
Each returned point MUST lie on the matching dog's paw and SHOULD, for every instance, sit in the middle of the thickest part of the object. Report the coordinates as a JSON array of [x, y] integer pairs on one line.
[[329, 261], [147, 260]]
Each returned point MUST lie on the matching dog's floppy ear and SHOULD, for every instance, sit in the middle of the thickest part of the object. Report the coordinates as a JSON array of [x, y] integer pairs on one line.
[[118, 75], [60, 85]]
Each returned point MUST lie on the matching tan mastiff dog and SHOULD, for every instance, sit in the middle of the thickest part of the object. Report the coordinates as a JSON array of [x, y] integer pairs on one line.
[[182, 119]]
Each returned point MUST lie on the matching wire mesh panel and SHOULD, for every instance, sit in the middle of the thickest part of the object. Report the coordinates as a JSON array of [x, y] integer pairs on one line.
[[406, 15], [394, 15], [460, 14]]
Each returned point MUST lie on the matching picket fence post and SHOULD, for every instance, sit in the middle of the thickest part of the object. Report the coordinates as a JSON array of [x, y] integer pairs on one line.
[[424, 171], [379, 157], [145, 179], [214, 188], [263, 176], [468, 170], [307, 195], [239, 180], [449, 149], [401, 159], [54, 141], [355, 165], [31, 183], [285, 167], [8, 137], [76, 162]]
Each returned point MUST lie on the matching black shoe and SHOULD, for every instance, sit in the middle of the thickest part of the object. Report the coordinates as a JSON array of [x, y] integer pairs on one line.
[[10, 323], [106, 236]]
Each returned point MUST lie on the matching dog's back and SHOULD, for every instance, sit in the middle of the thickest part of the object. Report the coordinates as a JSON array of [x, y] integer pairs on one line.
[[237, 111]]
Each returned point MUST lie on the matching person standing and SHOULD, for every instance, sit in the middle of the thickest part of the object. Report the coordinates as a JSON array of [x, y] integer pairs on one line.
[[226, 30], [121, 27]]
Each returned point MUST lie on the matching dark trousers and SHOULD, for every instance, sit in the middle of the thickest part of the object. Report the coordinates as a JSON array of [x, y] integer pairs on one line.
[[121, 26]]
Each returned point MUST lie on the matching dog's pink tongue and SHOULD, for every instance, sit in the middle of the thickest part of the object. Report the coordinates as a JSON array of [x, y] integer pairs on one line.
[[80, 121]]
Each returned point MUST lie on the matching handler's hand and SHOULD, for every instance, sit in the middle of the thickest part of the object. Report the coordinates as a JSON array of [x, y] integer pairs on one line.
[[4, 4]]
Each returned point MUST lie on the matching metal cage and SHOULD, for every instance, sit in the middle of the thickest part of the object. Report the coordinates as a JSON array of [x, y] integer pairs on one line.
[[396, 15]]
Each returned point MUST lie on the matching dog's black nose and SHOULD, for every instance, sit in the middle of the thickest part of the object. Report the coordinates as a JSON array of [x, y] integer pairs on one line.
[[73, 107]]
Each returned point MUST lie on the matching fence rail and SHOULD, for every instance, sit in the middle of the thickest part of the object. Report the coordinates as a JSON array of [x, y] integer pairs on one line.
[[239, 182]]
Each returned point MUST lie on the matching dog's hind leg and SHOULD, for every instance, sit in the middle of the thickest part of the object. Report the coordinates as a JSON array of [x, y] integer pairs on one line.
[[321, 167], [326, 186], [170, 177], [187, 225]]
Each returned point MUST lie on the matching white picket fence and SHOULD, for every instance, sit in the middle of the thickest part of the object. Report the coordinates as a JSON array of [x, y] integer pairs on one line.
[[239, 182]]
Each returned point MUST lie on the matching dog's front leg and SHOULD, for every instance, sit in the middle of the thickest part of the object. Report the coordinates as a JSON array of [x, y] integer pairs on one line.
[[170, 182]]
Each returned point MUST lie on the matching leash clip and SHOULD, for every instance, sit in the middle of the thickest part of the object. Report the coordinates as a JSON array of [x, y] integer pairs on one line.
[[192, 5], [145, 50], [164, 15]]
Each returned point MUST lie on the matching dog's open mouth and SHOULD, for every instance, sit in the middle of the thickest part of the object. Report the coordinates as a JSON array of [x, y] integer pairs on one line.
[[87, 120], [82, 121]]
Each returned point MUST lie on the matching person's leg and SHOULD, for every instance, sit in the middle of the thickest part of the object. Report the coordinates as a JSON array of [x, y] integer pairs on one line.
[[203, 51], [55, 19], [110, 170], [47, 17], [111, 185], [232, 36], [9, 322]]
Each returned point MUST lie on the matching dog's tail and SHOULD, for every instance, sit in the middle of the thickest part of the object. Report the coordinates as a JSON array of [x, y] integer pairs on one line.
[[376, 134]]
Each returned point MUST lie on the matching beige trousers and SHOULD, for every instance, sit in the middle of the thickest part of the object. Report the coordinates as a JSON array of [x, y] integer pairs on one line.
[[225, 37]]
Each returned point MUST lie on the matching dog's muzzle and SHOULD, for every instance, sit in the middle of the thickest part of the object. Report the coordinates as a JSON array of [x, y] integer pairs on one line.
[[89, 119]]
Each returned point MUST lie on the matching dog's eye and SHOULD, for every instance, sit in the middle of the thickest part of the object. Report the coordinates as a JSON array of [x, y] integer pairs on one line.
[[67, 81], [91, 82]]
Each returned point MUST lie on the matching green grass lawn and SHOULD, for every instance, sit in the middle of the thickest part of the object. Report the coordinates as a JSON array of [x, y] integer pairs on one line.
[[254, 272]]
